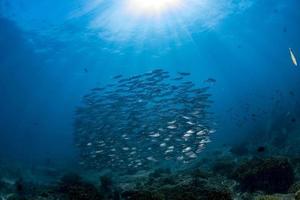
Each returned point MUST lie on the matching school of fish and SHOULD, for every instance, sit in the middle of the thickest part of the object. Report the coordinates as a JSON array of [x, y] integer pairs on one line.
[[143, 120]]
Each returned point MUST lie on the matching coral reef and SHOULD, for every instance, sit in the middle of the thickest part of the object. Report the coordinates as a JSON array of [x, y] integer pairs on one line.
[[199, 173], [140, 195], [192, 192], [72, 186], [239, 150], [267, 197], [223, 167], [267, 176], [273, 175], [239, 173], [193, 184], [106, 183], [297, 195], [160, 172], [294, 188]]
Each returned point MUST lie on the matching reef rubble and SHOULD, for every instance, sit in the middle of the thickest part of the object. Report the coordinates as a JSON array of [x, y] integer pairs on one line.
[[253, 179]]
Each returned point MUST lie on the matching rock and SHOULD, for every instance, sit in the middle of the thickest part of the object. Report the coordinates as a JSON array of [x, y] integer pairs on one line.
[[179, 187], [276, 197], [266, 197], [199, 173], [13, 197], [297, 195], [141, 195], [239, 150], [223, 167], [72, 186], [7, 185], [2, 185], [274, 175], [294, 188], [160, 172], [106, 183], [244, 196], [192, 192]]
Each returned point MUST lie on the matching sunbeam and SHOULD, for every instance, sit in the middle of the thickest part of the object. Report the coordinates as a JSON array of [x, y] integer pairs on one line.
[[153, 7], [149, 21]]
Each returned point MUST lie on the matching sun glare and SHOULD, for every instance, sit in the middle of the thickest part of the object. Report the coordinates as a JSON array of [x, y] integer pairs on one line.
[[153, 6], [142, 22]]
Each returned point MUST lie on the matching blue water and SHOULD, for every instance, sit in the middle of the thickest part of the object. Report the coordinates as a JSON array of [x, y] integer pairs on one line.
[[51, 57]]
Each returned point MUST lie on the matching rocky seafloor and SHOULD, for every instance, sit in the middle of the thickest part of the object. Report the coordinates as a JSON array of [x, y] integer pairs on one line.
[[263, 167], [223, 178]]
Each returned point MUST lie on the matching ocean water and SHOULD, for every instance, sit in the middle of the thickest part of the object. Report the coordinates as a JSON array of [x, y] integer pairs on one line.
[[54, 53]]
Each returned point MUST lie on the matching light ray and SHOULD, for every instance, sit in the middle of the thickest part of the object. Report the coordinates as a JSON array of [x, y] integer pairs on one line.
[[145, 21], [153, 7]]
